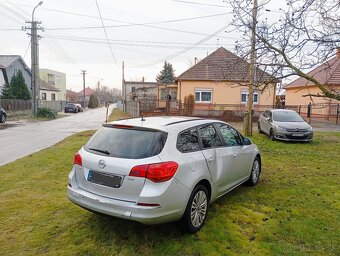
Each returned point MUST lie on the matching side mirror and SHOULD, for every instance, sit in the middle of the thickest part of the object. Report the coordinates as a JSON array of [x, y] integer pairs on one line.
[[268, 119], [246, 141]]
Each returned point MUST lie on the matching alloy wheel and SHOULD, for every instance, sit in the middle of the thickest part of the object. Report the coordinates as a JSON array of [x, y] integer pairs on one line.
[[199, 209], [255, 174]]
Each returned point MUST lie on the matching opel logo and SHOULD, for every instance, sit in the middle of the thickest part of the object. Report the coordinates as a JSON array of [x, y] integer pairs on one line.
[[101, 164]]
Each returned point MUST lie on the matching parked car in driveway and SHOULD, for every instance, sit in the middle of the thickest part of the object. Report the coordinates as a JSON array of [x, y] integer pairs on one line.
[[3, 115], [161, 169], [283, 124], [71, 107]]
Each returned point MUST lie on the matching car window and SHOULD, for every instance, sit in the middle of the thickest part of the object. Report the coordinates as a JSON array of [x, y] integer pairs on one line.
[[209, 136], [126, 143], [188, 140], [230, 135], [287, 116]]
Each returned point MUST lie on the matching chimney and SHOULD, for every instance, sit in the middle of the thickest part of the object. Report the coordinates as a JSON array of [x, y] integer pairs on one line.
[[338, 52]]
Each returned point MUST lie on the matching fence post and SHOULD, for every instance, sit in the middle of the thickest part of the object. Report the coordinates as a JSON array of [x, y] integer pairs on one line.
[[337, 113], [309, 112], [300, 110]]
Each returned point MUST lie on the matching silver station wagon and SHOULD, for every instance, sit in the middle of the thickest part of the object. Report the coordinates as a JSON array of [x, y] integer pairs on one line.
[[161, 169]]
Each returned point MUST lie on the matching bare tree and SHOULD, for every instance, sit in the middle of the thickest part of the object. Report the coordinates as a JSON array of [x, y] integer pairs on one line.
[[295, 40]]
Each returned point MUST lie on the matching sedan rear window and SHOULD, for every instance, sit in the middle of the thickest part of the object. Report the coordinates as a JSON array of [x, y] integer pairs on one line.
[[126, 143]]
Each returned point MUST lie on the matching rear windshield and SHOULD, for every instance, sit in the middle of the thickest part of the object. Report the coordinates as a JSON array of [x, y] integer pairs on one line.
[[126, 143], [287, 116]]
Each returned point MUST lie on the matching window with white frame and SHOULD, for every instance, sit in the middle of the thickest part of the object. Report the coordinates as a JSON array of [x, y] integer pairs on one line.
[[245, 95], [203, 95]]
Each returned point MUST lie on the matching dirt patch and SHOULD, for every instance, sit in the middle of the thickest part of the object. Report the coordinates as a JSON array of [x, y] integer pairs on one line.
[[7, 125]]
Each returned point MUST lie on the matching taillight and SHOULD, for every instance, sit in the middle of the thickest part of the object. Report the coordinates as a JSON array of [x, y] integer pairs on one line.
[[158, 172], [78, 160]]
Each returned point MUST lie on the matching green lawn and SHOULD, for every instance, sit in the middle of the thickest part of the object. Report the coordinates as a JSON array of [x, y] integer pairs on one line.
[[294, 210]]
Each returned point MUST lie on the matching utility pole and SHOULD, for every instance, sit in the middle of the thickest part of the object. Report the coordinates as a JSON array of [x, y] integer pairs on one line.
[[83, 72], [34, 61], [249, 130], [123, 88]]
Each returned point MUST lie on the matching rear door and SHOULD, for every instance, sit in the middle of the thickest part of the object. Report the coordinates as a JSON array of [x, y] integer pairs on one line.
[[218, 157], [240, 160]]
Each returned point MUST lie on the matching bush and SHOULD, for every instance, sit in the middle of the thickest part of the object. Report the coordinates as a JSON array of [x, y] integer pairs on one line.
[[46, 113], [189, 103], [93, 102]]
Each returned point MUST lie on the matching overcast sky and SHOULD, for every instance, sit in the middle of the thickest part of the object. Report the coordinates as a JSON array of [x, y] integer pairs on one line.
[[143, 34]]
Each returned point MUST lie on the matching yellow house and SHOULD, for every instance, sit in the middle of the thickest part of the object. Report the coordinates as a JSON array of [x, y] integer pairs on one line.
[[300, 92], [222, 78]]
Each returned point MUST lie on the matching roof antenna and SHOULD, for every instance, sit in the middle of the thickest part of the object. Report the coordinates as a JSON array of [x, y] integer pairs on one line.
[[142, 119]]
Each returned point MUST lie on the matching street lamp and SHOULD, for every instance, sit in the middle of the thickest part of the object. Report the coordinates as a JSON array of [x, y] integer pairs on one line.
[[35, 62], [40, 3]]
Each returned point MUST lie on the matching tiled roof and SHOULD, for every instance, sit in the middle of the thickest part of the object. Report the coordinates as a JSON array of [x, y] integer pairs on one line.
[[46, 86], [327, 73], [88, 92], [7, 60], [222, 65]]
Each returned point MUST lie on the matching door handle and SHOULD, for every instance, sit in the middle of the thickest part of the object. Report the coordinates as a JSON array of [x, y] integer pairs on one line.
[[235, 155], [210, 159]]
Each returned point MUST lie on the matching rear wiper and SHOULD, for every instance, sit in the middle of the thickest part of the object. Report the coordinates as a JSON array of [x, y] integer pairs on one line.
[[100, 151]]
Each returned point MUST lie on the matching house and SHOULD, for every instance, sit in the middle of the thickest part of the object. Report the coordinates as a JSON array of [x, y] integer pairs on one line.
[[48, 92], [327, 74], [223, 78], [72, 96], [9, 65], [56, 79], [88, 93]]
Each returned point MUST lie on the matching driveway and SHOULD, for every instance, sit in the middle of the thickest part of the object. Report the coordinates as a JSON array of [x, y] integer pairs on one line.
[[22, 140]]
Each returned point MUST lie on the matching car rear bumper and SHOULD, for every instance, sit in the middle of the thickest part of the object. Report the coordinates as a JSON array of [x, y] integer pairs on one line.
[[165, 212]]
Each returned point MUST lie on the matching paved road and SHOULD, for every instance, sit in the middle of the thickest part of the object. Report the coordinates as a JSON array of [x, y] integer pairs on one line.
[[20, 141]]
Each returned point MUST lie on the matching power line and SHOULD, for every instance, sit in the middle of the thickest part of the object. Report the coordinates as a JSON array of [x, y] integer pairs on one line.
[[142, 24], [176, 54], [195, 3], [127, 24], [28, 46], [100, 15]]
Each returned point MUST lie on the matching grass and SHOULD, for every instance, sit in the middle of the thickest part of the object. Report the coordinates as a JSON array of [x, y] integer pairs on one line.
[[294, 210]]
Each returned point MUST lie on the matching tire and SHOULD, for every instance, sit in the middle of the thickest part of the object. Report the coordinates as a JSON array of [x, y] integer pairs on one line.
[[197, 209], [259, 128], [255, 173], [271, 135], [3, 118]]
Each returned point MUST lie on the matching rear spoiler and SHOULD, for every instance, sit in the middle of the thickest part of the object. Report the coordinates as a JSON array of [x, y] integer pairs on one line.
[[131, 127]]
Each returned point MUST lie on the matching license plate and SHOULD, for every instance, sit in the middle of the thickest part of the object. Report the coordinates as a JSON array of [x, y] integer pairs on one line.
[[104, 179], [297, 134]]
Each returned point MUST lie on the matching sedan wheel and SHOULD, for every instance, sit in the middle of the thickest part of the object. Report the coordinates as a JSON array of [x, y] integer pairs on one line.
[[197, 209], [255, 173], [271, 135], [3, 119]]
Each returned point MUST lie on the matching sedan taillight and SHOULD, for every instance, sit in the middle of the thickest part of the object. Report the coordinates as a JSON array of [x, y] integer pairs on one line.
[[158, 172]]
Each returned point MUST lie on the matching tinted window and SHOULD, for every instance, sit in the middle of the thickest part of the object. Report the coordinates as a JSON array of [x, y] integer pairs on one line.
[[230, 135], [209, 136], [188, 140], [126, 143], [286, 116]]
